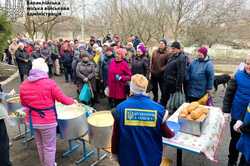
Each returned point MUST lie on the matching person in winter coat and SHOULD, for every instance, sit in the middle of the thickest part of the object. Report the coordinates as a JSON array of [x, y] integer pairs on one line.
[[38, 95], [136, 41], [130, 52], [174, 74], [139, 126], [201, 76], [46, 54], [67, 58], [86, 72], [4, 138], [12, 49], [158, 64], [55, 57], [243, 144], [236, 100], [36, 52], [90, 45], [76, 60], [107, 57], [22, 60], [140, 63], [119, 74]]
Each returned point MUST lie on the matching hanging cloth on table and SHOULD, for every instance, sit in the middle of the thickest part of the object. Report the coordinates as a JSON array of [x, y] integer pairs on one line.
[[41, 114]]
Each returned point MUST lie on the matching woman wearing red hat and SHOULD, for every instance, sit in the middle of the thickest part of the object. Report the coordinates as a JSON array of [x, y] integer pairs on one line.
[[200, 76]]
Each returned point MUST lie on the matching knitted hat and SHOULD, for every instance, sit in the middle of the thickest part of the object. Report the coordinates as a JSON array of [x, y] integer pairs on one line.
[[176, 45], [164, 41], [203, 50], [40, 64], [142, 48], [138, 84]]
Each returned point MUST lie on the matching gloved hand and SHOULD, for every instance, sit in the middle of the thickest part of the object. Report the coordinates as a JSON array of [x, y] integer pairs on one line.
[[85, 79], [114, 157], [237, 125], [118, 77]]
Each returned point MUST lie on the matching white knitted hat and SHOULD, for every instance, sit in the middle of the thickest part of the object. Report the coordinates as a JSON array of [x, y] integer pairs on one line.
[[138, 84], [39, 64]]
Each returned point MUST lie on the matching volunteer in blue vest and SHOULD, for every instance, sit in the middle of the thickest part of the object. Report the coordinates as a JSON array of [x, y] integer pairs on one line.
[[140, 124], [236, 100], [243, 144]]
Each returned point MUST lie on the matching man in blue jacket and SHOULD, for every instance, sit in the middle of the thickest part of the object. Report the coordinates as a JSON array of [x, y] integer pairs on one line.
[[139, 126], [236, 101]]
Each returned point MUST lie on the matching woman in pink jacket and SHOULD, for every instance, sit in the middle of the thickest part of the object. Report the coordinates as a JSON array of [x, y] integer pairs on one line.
[[38, 94], [119, 74]]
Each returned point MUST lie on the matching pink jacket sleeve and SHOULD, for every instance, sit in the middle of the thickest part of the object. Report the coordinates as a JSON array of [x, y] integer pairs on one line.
[[126, 76], [58, 95]]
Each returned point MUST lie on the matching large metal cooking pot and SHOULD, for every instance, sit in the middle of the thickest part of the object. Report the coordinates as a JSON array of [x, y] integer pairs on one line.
[[13, 103], [100, 129], [72, 120]]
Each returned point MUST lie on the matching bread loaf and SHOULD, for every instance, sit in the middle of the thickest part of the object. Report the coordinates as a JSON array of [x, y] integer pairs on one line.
[[196, 113], [201, 118], [192, 106]]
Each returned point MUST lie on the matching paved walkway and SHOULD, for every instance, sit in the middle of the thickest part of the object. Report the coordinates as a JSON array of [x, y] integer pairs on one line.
[[26, 155]]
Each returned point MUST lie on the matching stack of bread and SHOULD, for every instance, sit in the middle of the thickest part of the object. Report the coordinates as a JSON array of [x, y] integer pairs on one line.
[[194, 111]]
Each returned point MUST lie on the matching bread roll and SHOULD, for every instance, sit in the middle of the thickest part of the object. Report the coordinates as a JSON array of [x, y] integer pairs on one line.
[[184, 111], [201, 118], [196, 113], [192, 106], [189, 117]]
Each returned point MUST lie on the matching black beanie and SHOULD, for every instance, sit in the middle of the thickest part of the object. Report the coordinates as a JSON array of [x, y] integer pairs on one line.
[[176, 45], [164, 41]]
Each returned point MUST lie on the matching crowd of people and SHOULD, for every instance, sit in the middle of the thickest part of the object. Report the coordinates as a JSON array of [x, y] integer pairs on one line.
[[109, 64], [125, 73]]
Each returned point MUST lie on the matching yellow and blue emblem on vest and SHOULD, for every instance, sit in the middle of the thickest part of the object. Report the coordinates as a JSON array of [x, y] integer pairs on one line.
[[140, 117]]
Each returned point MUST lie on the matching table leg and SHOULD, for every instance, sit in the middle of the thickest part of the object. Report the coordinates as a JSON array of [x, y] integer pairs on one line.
[[86, 154], [179, 157], [72, 147]]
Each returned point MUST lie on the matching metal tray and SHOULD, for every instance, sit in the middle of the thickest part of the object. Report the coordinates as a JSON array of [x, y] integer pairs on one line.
[[191, 126]]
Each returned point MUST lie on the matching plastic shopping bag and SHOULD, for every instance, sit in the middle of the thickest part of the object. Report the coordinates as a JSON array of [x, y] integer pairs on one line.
[[210, 101], [175, 101], [85, 94]]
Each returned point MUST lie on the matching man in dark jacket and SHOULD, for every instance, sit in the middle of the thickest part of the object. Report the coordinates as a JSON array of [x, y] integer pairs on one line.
[[22, 60], [46, 54], [158, 64], [174, 74]]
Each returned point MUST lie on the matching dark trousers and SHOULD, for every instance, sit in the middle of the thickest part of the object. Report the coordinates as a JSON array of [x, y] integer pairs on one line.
[[168, 89], [67, 72], [114, 102], [4, 145], [50, 70], [155, 81], [243, 161], [21, 76], [191, 99], [233, 152]]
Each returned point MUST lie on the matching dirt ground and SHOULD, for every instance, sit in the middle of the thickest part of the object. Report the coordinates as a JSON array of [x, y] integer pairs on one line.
[[26, 154]]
